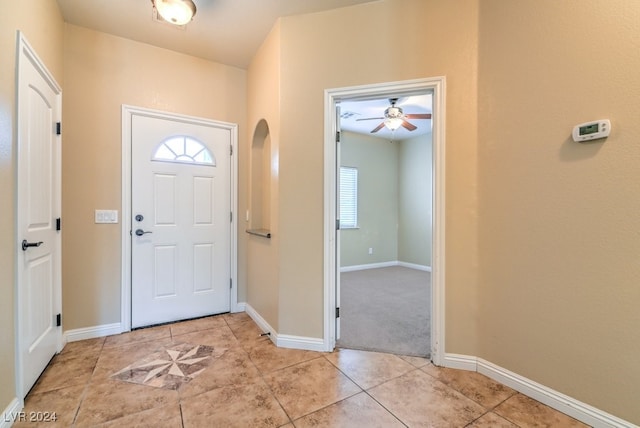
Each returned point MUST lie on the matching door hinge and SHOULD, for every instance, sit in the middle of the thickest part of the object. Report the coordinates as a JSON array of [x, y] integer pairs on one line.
[[58, 128], [337, 312], [230, 282], [231, 150], [337, 224], [231, 217], [58, 320], [58, 224], [337, 136]]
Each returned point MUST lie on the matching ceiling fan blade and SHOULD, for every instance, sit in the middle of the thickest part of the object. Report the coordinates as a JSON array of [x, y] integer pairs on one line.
[[418, 116], [377, 128], [409, 126], [370, 118]]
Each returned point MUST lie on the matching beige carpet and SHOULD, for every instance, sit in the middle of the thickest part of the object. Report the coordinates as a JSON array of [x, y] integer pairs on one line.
[[386, 310]]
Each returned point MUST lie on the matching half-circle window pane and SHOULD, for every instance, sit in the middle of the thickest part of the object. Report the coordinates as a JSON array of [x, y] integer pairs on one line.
[[183, 150], [192, 147], [175, 144], [164, 153], [204, 157]]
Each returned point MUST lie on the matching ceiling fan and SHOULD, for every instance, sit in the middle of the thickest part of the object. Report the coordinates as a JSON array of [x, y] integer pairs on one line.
[[394, 118]]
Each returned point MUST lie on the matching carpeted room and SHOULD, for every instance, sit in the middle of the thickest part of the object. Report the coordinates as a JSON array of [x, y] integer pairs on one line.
[[385, 256]]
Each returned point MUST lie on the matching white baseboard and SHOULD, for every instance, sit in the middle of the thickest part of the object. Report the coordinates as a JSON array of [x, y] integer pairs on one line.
[[91, 332], [368, 266], [415, 266], [262, 323], [383, 265], [461, 362], [11, 414], [285, 340], [552, 398], [300, 342], [240, 307]]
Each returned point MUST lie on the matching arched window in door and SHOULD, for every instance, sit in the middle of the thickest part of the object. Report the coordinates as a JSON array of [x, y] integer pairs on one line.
[[183, 149]]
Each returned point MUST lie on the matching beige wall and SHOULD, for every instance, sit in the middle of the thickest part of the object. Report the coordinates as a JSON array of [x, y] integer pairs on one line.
[[559, 221], [263, 83], [325, 50], [42, 25], [102, 72]]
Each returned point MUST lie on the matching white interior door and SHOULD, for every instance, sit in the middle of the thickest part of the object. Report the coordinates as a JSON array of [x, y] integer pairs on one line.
[[38, 208], [337, 172], [181, 220]]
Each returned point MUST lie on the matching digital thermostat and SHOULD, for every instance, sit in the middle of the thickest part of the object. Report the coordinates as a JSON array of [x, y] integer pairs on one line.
[[591, 130]]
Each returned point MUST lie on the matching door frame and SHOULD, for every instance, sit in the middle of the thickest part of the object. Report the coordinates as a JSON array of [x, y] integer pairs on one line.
[[25, 53], [436, 85], [128, 112]]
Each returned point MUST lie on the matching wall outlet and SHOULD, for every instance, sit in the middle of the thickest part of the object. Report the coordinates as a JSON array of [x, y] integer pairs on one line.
[[106, 216], [370, 250]]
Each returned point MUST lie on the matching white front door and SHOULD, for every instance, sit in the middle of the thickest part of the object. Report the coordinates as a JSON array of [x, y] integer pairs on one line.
[[181, 220], [38, 209]]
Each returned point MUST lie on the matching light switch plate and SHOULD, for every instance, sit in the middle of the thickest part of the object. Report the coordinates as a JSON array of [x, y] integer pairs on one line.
[[106, 216]]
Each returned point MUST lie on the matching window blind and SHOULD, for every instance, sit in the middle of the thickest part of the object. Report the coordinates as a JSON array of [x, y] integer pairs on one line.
[[348, 197]]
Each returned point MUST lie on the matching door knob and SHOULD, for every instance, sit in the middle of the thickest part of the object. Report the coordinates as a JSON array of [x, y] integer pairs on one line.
[[26, 244], [140, 232]]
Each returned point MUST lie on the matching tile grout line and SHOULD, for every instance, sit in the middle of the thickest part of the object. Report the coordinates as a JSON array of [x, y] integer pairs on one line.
[[366, 391], [261, 374], [489, 409], [339, 401], [329, 405], [85, 391], [375, 386], [506, 418], [384, 407]]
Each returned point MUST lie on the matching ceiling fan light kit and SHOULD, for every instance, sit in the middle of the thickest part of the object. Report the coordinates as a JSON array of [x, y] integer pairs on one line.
[[178, 12], [394, 118], [393, 123]]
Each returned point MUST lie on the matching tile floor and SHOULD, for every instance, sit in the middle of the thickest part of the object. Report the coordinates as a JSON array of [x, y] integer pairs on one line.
[[219, 372]]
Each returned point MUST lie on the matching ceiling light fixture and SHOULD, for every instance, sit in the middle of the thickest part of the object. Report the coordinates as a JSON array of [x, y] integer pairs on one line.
[[178, 12], [393, 117], [393, 123]]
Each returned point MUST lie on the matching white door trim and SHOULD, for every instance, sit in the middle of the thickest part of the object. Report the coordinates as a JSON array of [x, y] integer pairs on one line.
[[127, 113], [26, 53], [333, 96]]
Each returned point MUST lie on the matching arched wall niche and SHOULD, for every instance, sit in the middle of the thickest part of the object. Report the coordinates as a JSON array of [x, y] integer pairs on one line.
[[260, 184]]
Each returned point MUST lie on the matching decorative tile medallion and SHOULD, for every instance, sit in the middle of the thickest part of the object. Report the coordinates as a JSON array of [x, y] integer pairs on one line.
[[168, 368]]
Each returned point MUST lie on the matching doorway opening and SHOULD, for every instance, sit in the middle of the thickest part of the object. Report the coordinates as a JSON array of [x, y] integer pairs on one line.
[[384, 208], [370, 249]]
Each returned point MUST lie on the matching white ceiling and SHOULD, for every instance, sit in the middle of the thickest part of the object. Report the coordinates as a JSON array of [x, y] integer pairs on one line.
[[231, 32], [351, 111], [225, 31]]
